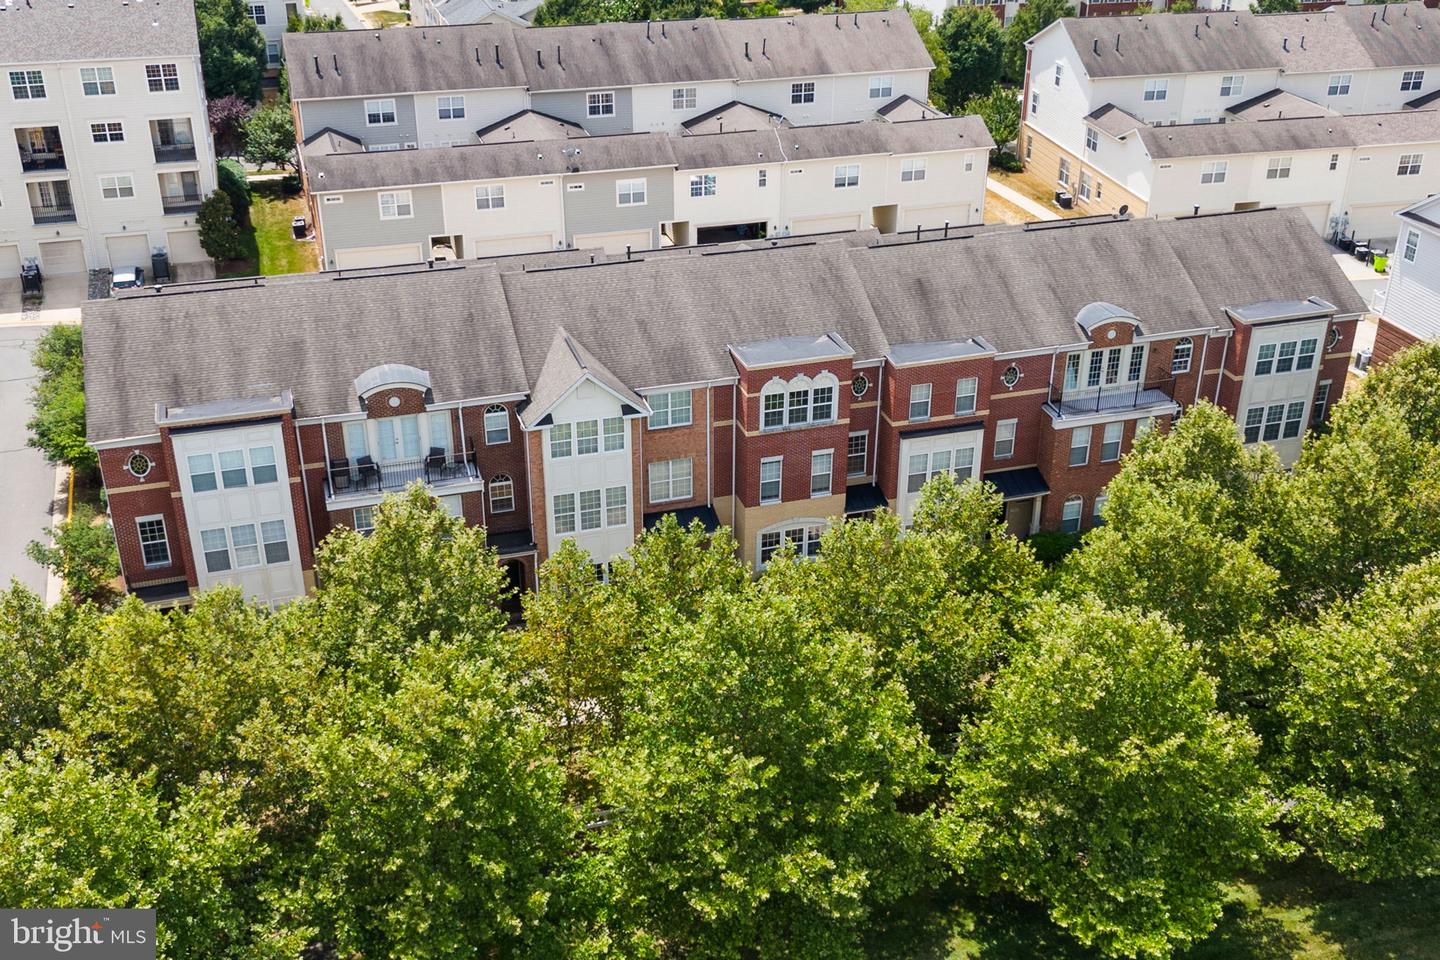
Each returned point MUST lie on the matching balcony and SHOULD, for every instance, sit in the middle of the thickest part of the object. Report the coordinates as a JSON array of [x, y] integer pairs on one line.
[[365, 478], [173, 141], [186, 201], [40, 149], [50, 201], [1147, 395], [175, 153], [52, 213]]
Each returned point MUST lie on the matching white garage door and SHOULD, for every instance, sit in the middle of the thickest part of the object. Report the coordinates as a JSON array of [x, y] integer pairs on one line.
[[1319, 216], [128, 252], [9, 262], [357, 257], [499, 246], [184, 246], [850, 221], [615, 242], [935, 217], [62, 256], [1376, 223]]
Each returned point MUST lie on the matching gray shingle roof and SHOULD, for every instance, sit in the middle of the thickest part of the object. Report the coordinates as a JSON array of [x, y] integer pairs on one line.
[[584, 56], [41, 31], [1340, 38], [488, 328], [529, 125], [733, 116], [470, 11], [1307, 133], [906, 107], [566, 363], [1278, 105]]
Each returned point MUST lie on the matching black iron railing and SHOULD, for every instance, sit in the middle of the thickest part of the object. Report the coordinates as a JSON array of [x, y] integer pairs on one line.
[[174, 152], [176, 202], [53, 213], [365, 475], [1121, 396]]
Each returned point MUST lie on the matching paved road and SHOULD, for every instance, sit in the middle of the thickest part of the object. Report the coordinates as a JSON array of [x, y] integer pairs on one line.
[[28, 481], [348, 16]]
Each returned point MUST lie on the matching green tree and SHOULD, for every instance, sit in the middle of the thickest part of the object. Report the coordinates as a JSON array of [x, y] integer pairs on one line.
[[1360, 753], [1275, 6], [220, 233], [1030, 19], [1000, 109], [270, 137], [741, 720], [83, 555], [232, 50], [444, 832], [924, 21], [37, 646], [315, 23], [974, 47], [57, 427], [1103, 784], [72, 835], [236, 185]]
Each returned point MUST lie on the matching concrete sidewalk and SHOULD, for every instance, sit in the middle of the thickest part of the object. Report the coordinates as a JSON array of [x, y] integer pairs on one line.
[[1020, 200]]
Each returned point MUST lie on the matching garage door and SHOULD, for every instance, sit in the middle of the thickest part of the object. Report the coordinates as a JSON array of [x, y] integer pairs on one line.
[[128, 252], [62, 256], [1376, 223], [357, 257], [850, 221], [934, 217], [615, 242], [499, 246], [184, 246], [9, 262]]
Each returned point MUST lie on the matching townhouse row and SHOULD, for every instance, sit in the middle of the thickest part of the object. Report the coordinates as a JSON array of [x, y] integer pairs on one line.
[[774, 387], [758, 178], [1409, 305], [1329, 111], [109, 151]]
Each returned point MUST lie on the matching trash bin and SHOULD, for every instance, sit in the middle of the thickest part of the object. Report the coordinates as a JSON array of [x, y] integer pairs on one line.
[[1381, 262], [160, 265], [297, 227], [32, 282]]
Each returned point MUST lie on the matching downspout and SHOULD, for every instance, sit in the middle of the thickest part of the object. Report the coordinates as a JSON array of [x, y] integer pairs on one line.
[[734, 456], [305, 486], [879, 394], [709, 460], [1204, 353], [530, 505], [1224, 352]]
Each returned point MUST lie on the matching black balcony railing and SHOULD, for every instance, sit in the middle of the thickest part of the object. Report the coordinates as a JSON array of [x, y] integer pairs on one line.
[[174, 152], [181, 202], [1129, 396], [366, 476], [55, 213]]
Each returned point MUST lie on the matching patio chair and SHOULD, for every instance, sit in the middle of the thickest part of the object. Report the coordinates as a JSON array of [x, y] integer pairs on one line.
[[368, 471], [339, 474], [436, 466]]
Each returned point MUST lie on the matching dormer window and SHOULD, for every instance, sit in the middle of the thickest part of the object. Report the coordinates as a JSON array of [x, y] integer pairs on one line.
[[798, 403]]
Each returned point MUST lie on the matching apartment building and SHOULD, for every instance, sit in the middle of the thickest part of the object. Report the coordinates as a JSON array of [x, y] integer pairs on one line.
[[444, 13], [435, 86], [272, 17], [1409, 305], [774, 387], [110, 151], [753, 176], [1318, 102]]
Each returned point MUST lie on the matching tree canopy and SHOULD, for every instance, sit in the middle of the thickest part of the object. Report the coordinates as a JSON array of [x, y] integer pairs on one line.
[[232, 50]]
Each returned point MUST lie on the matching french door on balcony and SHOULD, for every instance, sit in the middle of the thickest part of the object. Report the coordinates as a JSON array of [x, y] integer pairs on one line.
[[397, 438]]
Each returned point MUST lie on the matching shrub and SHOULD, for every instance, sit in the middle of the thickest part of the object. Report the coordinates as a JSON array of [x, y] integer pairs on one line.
[[219, 233], [83, 555], [1051, 546], [58, 426], [1007, 161], [233, 181]]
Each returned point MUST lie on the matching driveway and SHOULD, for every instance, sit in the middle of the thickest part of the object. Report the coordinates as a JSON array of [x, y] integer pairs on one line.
[[29, 479]]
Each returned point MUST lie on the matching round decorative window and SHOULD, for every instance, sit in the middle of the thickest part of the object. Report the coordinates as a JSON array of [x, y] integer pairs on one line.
[[394, 401], [1333, 338], [139, 465], [859, 384], [1011, 376]]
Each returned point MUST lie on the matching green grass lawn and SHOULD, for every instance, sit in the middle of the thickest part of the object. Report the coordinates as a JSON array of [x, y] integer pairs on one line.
[[270, 248], [1297, 912], [387, 18]]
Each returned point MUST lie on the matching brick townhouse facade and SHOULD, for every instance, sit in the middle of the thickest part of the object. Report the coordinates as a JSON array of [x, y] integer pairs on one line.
[[773, 387]]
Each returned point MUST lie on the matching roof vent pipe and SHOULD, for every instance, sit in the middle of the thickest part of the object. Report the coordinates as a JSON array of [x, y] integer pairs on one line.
[[857, 19], [1117, 43], [1302, 41], [1095, 46], [662, 31], [538, 61], [627, 251], [763, 42], [558, 62], [1372, 20], [1207, 21], [1237, 20], [1196, 210], [917, 233], [1285, 44], [837, 21], [947, 229], [335, 60], [747, 49], [1197, 31], [497, 57], [1384, 11], [647, 29], [317, 68]]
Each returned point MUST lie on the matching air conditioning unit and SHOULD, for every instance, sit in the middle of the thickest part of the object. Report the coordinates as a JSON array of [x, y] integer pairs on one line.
[[1362, 360]]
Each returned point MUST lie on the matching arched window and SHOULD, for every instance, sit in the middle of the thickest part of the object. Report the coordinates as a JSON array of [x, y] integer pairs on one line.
[[502, 493], [1180, 359], [822, 398], [772, 405], [804, 534], [1070, 518], [497, 424]]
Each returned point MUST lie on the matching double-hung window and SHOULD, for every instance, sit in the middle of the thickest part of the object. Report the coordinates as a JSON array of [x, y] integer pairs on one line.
[[911, 170], [232, 469], [802, 92], [154, 544], [1092, 139], [450, 108], [847, 175], [1322, 401], [1213, 171], [162, 77], [589, 509], [1136, 368], [920, 402], [379, 113], [97, 81], [702, 185], [1156, 90], [121, 186], [1339, 85], [1285, 357], [1059, 73], [587, 437], [613, 433], [773, 410], [682, 98], [1305, 359], [1083, 188], [1411, 247], [110, 131], [561, 441], [497, 425], [822, 463], [966, 389], [202, 472], [564, 507], [770, 469], [881, 87], [490, 198], [600, 104], [670, 409], [671, 480], [856, 449], [1232, 85], [1110, 441], [762, 177], [256, 12], [1034, 110], [1412, 80], [1063, 173], [27, 84], [1005, 439], [630, 193], [1265, 359], [1294, 419], [1180, 357], [1070, 514], [799, 412], [246, 544], [1334, 161], [502, 493], [272, 53], [216, 547], [1278, 168], [1409, 165], [397, 205], [275, 541], [617, 507], [1274, 418], [822, 404], [1079, 446], [262, 465]]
